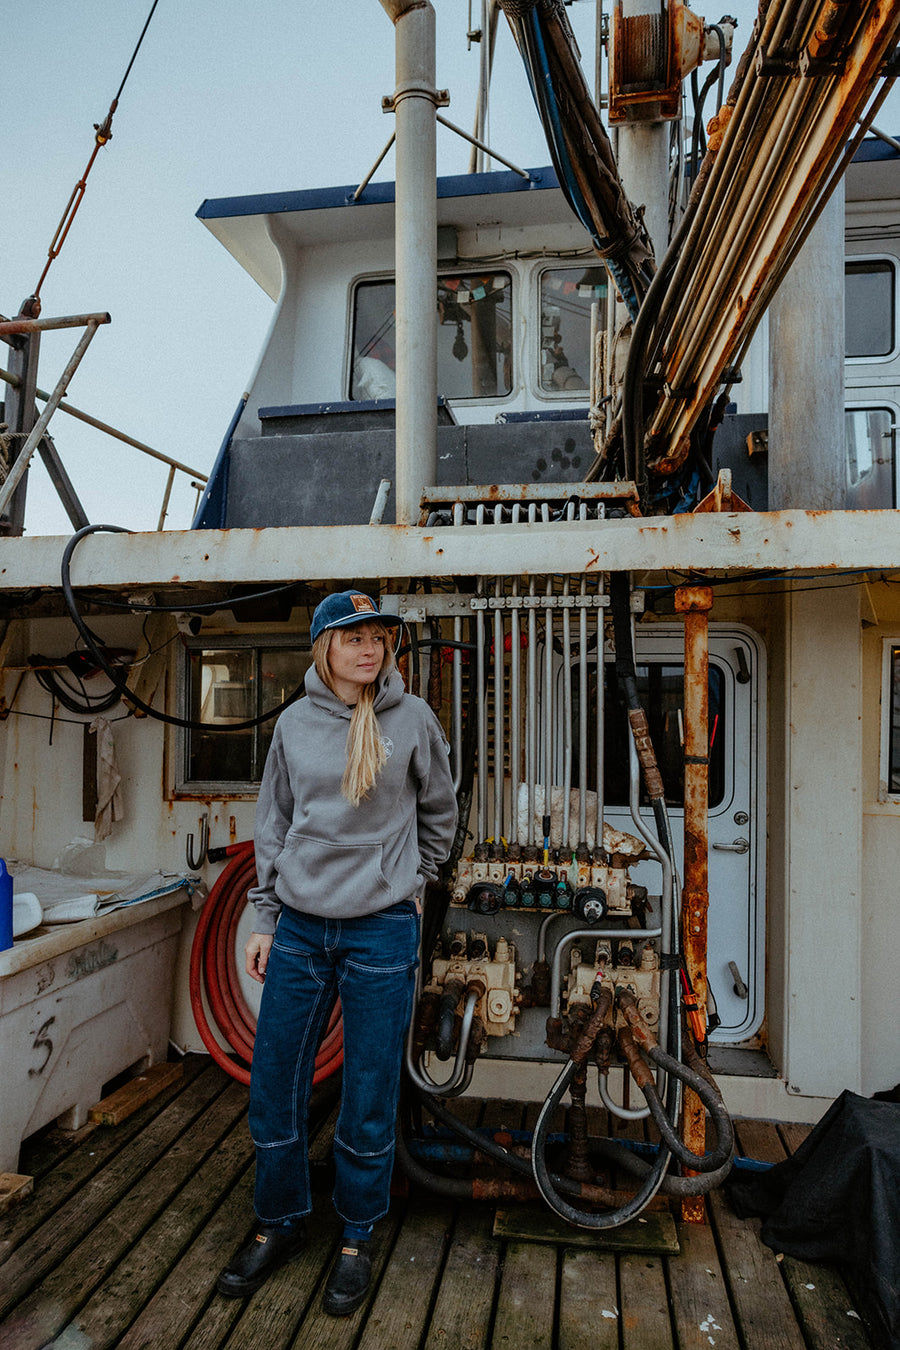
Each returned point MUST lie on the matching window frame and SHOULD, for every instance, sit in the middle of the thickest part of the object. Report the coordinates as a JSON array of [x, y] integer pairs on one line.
[[556, 396], [885, 795], [851, 259], [253, 642], [885, 405], [466, 267]]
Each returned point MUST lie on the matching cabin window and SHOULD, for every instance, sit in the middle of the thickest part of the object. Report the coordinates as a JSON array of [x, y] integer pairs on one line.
[[567, 297], [890, 720], [870, 436], [474, 318], [228, 683], [661, 691], [869, 310]]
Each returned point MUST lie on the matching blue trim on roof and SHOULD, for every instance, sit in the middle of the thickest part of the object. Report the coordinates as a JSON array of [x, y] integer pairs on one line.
[[325, 199], [874, 148]]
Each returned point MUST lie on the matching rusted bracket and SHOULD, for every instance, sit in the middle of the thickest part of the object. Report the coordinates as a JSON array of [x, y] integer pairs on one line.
[[722, 498]]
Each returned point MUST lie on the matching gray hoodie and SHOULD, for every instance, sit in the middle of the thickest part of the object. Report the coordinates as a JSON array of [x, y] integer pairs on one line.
[[317, 853]]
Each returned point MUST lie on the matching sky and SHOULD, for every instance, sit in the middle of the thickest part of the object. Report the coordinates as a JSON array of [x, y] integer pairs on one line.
[[225, 98]]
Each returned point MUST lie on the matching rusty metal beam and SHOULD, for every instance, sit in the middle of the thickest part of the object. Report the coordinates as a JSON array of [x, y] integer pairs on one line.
[[695, 602]]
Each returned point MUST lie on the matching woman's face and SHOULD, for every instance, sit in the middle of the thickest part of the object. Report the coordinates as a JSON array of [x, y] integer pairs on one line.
[[355, 658]]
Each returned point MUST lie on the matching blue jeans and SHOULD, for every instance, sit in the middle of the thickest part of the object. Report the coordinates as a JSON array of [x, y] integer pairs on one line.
[[371, 962]]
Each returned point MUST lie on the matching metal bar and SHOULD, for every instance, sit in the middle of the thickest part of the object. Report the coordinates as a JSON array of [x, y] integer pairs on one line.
[[17, 471], [600, 715], [164, 509], [695, 602], [547, 703], [61, 481], [481, 829], [456, 724], [498, 717], [380, 502], [480, 145], [374, 169], [14, 380], [515, 707], [10, 327], [567, 718], [582, 714], [531, 706]]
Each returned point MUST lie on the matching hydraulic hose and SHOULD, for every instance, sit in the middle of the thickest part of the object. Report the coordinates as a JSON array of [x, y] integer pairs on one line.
[[214, 977]]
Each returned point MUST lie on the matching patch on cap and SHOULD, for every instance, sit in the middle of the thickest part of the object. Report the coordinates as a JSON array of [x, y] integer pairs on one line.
[[362, 604]]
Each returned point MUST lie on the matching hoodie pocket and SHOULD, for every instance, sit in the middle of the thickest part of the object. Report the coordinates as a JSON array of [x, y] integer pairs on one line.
[[325, 870]]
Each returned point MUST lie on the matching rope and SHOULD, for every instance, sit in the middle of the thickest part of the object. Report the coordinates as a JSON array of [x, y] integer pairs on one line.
[[103, 133]]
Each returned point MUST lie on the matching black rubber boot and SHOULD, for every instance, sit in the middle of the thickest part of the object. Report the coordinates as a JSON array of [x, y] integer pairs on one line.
[[268, 1248], [349, 1281]]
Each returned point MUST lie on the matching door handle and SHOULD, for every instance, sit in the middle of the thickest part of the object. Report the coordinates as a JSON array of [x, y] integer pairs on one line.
[[739, 846]]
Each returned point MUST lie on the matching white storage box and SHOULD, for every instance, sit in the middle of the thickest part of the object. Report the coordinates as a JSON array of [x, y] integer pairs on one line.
[[79, 1004]]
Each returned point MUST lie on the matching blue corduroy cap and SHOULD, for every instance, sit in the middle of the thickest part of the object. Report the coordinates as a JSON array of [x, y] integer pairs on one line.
[[345, 608]]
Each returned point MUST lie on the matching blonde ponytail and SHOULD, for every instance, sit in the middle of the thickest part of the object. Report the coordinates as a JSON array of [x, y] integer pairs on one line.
[[366, 755]]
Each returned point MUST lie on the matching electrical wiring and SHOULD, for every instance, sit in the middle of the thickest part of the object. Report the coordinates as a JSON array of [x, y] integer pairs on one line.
[[94, 646]]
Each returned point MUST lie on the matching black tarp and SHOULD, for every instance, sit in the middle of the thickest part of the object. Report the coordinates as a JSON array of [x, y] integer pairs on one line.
[[838, 1199]]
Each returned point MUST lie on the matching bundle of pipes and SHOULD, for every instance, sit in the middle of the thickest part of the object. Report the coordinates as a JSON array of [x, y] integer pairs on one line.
[[777, 149]]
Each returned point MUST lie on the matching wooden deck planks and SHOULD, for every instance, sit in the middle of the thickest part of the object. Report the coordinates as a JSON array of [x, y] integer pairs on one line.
[[121, 1244], [588, 1301], [461, 1317], [527, 1298]]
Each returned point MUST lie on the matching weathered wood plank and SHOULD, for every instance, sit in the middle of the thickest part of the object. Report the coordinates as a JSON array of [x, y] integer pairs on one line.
[[824, 1307], [793, 1135], [14, 1188], [699, 1295], [399, 1314], [588, 1301], [462, 1312], [183, 1296], [135, 1278], [526, 1304], [131, 1096], [759, 1139], [318, 1331], [645, 1312], [75, 1165], [80, 1214], [762, 1307], [43, 1313]]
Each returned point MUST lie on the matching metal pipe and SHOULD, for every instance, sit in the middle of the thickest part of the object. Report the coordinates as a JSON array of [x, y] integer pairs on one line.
[[695, 602], [531, 703], [600, 714], [456, 725], [515, 705], [498, 710], [567, 715], [481, 828], [380, 502], [18, 469], [414, 103], [582, 705], [480, 145], [164, 509], [10, 327], [548, 699], [80, 416], [374, 169]]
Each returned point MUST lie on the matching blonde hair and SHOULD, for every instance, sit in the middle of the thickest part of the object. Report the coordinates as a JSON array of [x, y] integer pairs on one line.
[[366, 755]]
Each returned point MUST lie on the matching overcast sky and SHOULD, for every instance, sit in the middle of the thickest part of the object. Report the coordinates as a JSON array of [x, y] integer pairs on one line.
[[225, 98]]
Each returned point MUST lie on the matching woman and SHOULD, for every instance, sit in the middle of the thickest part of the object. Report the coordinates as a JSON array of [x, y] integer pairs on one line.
[[356, 811]]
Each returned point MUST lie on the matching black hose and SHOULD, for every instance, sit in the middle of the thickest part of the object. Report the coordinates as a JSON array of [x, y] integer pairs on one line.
[[711, 1099], [94, 647], [625, 1158], [551, 1192]]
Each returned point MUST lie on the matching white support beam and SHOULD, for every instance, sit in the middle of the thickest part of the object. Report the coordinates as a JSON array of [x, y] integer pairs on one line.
[[747, 541]]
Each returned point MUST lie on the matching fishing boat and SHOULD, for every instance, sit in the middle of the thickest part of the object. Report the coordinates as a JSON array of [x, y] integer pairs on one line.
[[629, 477]]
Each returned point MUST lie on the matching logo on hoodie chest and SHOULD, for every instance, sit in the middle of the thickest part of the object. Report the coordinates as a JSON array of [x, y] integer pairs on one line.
[[388, 745]]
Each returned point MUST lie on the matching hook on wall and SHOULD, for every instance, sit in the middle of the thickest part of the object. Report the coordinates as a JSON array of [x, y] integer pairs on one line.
[[195, 863]]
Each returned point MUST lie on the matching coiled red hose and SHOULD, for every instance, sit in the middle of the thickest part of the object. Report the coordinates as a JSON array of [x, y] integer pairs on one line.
[[214, 974]]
